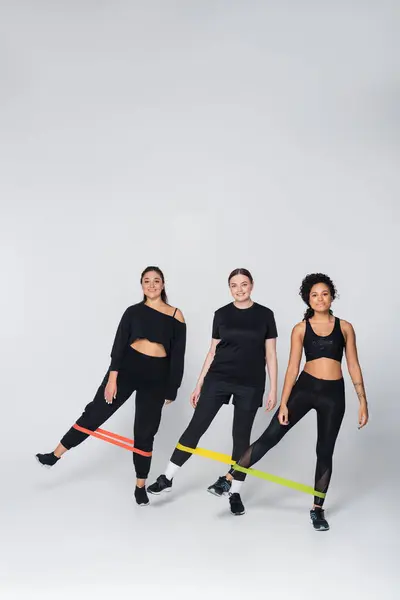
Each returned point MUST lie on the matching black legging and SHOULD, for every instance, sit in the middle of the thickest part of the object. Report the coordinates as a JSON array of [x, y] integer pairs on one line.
[[206, 410], [145, 374], [328, 399]]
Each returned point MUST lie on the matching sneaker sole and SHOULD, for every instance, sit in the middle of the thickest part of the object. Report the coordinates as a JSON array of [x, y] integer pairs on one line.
[[141, 505], [42, 465], [159, 493], [215, 493], [238, 514], [320, 528]]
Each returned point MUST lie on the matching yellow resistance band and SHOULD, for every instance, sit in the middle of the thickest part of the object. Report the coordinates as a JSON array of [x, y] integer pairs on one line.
[[225, 458]]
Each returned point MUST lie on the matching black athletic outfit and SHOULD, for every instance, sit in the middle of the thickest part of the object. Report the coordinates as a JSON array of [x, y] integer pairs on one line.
[[154, 379], [327, 397], [238, 371]]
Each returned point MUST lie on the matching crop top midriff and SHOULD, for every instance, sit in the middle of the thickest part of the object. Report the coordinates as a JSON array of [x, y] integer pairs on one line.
[[142, 322], [327, 346]]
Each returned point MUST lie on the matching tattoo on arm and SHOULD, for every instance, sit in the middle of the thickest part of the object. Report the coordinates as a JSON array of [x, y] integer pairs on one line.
[[360, 390]]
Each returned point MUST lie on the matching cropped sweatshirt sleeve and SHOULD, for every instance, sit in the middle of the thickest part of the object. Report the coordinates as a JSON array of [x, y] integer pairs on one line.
[[121, 340], [177, 359]]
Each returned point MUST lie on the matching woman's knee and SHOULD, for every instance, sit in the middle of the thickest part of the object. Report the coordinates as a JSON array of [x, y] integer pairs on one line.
[[241, 434], [324, 452], [192, 433], [265, 443]]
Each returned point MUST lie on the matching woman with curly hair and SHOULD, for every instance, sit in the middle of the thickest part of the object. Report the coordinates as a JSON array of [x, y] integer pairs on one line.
[[320, 386]]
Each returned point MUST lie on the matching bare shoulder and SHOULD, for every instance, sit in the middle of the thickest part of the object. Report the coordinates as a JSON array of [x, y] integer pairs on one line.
[[299, 328], [346, 326], [179, 315], [298, 333], [347, 330]]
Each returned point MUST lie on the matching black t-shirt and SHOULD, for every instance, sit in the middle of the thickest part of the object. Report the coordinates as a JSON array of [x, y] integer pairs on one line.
[[240, 355]]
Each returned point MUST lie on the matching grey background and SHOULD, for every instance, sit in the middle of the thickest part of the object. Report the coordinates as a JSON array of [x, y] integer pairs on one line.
[[200, 136]]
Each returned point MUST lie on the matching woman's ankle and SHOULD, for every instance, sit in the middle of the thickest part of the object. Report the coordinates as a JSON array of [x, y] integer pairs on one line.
[[59, 451]]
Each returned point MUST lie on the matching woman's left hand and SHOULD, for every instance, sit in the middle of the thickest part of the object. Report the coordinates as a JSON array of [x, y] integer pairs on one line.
[[362, 416], [168, 402], [271, 401]]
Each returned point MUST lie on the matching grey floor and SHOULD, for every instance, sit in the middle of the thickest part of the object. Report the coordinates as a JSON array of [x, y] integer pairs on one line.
[[74, 531]]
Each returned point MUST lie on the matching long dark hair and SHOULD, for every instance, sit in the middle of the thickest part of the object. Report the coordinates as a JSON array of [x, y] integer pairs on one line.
[[244, 272], [305, 289], [164, 296]]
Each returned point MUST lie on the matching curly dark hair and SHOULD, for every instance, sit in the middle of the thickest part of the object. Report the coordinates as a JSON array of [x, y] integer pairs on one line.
[[305, 289]]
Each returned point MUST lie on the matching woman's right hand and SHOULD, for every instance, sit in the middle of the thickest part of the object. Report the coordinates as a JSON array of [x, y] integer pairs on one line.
[[110, 392], [194, 397], [283, 415]]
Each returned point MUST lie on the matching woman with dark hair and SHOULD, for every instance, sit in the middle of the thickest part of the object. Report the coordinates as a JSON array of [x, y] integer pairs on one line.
[[147, 357], [320, 386], [243, 343]]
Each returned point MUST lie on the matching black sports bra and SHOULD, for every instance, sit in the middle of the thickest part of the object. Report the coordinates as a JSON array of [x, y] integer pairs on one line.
[[325, 346]]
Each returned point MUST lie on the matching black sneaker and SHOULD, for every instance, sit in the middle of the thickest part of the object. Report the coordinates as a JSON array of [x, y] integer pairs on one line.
[[318, 519], [162, 484], [47, 460], [141, 496], [236, 503], [221, 487]]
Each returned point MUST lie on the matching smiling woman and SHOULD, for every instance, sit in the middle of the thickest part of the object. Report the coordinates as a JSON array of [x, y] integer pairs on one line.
[[153, 285], [320, 386], [243, 347], [147, 357]]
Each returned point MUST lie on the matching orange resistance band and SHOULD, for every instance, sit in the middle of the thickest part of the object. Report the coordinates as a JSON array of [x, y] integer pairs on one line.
[[113, 438]]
